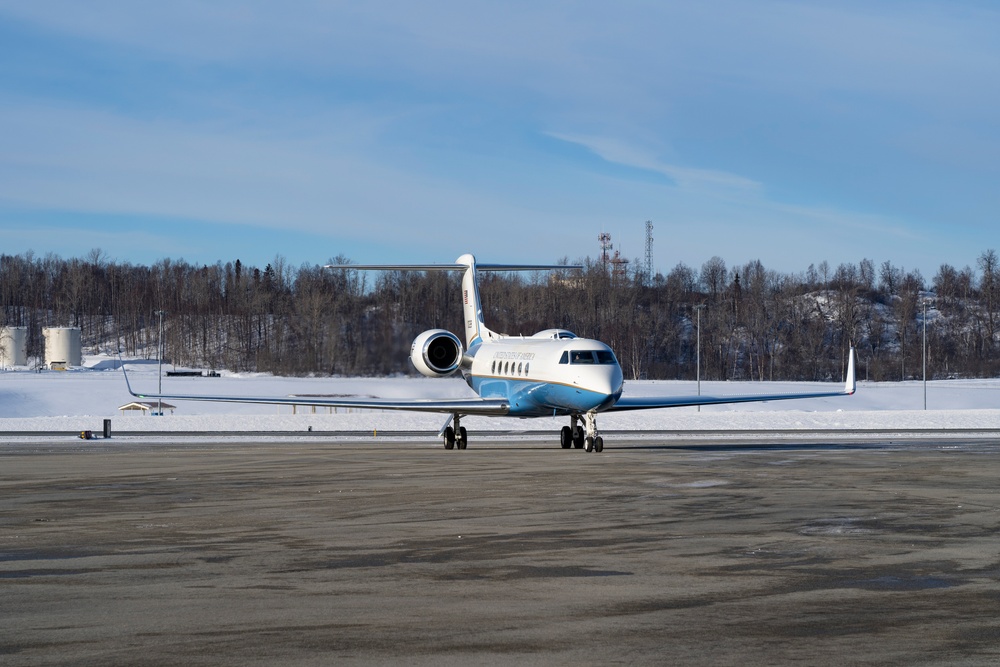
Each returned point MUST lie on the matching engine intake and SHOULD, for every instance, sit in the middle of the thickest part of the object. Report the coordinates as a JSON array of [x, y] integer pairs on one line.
[[436, 353]]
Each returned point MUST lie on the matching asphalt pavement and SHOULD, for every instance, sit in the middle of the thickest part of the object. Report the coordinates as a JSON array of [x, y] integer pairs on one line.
[[133, 552]]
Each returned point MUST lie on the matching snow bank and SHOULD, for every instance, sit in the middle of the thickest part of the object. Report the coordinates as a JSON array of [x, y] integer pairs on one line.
[[81, 399]]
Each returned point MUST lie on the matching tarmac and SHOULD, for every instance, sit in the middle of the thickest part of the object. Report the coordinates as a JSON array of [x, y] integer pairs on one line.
[[133, 552]]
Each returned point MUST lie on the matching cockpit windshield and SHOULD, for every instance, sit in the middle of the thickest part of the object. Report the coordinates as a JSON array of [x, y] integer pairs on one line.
[[605, 357], [588, 357]]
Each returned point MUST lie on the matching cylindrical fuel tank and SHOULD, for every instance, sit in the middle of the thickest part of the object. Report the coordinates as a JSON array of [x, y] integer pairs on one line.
[[13, 346], [62, 346]]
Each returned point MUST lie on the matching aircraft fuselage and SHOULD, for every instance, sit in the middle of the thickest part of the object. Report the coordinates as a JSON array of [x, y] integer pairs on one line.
[[546, 376]]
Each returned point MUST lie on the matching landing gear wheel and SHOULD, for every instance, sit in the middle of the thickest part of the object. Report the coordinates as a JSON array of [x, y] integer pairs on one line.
[[449, 438], [578, 437], [566, 437], [588, 444], [463, 438], [598, 444]]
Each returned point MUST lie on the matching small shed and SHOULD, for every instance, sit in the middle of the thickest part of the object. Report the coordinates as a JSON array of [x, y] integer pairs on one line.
[[146, 407]]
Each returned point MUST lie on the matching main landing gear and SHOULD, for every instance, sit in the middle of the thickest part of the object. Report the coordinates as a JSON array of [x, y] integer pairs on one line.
[[574, 435], [456, 436]]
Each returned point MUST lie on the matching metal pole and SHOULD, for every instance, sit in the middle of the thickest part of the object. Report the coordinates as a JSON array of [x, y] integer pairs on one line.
[[698, 310], [925, 354], [159, 366]]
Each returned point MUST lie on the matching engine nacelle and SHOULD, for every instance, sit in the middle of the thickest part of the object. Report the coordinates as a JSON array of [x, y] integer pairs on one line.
[[436, 353]]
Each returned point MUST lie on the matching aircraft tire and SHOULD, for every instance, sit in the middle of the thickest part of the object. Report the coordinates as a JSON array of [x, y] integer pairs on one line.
[[588, 444], [463, 438], [598, 444], [449, 438], [566, 437], [578, 438]]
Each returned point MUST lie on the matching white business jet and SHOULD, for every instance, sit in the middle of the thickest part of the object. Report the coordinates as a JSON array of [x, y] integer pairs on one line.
[[552, 373]]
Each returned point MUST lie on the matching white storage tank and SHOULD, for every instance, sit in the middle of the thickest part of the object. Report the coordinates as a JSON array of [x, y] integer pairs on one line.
[[13, 346], [62, 347]]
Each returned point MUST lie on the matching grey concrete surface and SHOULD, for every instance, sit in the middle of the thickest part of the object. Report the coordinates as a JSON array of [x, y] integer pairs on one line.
[[126, 553]]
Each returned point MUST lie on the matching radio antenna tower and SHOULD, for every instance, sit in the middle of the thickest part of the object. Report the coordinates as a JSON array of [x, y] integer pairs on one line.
[[606, 246], [649, 252]]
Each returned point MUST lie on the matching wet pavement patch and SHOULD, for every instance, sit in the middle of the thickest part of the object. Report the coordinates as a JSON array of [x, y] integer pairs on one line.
[[48, 572], [512, 573], [902, 583]]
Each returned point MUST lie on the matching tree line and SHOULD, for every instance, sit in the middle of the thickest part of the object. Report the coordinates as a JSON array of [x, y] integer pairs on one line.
[[747, 321]]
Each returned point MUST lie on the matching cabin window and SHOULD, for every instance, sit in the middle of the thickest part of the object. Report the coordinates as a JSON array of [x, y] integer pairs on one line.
[[494, 369], [564, 359], [506, 368], [520, 367], [526, 368]]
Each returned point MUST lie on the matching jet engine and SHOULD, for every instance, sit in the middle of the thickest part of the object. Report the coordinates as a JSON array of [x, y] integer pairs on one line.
[[436, 353]]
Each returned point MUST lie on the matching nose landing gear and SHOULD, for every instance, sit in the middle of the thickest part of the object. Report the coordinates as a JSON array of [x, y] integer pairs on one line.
[[586, 439]]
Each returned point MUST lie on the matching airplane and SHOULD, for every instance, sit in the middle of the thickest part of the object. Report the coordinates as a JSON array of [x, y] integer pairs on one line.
[[550, 373]]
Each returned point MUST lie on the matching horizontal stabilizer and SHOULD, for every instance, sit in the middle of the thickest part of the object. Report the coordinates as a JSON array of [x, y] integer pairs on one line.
[[453, 267]]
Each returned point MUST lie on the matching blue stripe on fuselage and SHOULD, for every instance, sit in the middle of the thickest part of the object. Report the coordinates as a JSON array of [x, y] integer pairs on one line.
[[533, 398]]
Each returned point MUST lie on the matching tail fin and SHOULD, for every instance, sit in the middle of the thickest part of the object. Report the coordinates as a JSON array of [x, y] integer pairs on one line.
[[472, 308]]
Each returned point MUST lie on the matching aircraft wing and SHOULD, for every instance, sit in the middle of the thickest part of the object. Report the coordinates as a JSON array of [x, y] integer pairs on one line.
[[464, 406], [652, 402]]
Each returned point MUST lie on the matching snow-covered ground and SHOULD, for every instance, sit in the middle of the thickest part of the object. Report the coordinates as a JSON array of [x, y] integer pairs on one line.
[[80, 399]]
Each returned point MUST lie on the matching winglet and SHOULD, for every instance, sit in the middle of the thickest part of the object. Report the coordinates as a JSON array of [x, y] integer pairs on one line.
[[127, 383], [850, 386]]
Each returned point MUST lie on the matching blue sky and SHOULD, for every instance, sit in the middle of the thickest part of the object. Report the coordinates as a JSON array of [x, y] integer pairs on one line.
[[790, 132]]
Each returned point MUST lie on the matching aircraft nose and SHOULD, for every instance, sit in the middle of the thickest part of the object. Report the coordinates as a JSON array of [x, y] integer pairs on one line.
[[610, 382]]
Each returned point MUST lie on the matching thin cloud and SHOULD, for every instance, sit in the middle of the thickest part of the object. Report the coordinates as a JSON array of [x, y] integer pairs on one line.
[[618, 152]]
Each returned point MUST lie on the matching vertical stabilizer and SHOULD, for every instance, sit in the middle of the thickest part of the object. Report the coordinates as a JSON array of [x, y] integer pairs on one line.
[[472, 308]]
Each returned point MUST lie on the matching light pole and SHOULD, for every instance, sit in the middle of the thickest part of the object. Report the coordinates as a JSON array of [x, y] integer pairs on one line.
[[159, 366], [925, 353], [698, 309]]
